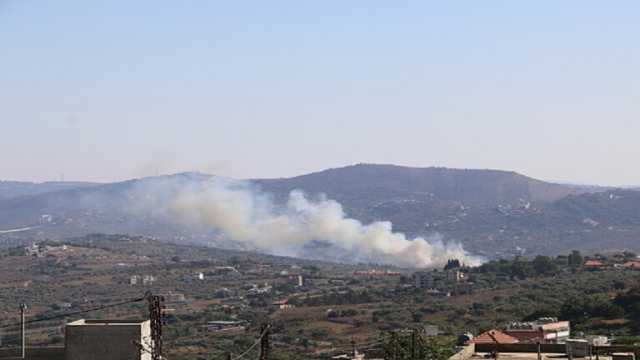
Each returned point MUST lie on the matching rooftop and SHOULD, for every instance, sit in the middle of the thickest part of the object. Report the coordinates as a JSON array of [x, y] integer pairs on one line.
[[527, 356], [85, 322], [494, 336]]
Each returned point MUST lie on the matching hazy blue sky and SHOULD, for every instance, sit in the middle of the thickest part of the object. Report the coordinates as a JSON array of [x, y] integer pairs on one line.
[[107, 90]]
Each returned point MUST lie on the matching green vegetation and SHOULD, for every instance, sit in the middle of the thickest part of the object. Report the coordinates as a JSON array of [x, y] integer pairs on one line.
[[334, 306], [411, 345]]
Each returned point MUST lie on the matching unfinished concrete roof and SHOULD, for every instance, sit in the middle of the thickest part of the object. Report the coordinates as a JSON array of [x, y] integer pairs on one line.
[[99, 322], [529, 356]]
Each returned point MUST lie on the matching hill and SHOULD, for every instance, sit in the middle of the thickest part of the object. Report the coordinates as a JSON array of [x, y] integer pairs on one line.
[[12, 189], [370, 183], [493, 213]]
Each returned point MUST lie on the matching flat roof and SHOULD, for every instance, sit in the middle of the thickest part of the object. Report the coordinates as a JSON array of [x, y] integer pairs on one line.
[[532, 355], [95, 322]]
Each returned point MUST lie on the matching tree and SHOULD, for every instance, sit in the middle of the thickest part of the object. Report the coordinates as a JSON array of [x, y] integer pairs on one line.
[[580, 308], [630, 302], [521, 269], [452, 264], [411, 345], [575, 259], [417, 316], [544, 265]]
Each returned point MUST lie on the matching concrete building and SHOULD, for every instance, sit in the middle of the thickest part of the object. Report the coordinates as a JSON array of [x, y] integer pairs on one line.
[[108, 340], [456, 276], [282, 304], [525, 351], [46, 219], [218, 326], [148, 280], [296, 280], [426, 279], [174, 298], [543, 330]]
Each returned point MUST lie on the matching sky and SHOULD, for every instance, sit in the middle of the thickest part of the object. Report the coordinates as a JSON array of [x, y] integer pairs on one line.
[[111, 90]]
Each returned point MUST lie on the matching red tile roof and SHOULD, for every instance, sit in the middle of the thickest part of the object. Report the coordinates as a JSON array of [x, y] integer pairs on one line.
[[493, 337], [632, 264], [593, 263]]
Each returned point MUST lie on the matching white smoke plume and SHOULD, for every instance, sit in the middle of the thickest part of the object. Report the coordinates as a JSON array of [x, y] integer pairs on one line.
[[305, 227]]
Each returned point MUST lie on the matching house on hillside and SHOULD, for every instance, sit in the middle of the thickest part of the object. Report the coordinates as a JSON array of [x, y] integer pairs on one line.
[[543, 330], [282, 304], [219, 326], [456, 276], [429, 279], [594, 265], [493, 337], [632, 265]]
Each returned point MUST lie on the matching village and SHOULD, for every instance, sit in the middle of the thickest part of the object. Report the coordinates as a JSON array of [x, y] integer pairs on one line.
[[215, 299]]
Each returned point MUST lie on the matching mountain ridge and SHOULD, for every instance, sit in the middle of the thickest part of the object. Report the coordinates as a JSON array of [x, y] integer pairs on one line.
[[494, 213]]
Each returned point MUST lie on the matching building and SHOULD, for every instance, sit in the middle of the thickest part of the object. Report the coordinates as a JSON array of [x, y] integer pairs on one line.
[[437, 293], [219, 326], [256, 291], [46, 219], [493, 337], [376, 273], [354, 356], [108, 340], [426, 279], [224, 270], [282, 304], [148, 280], [598, 340], [296, 280], [145, 280], [632, 265], [174, 298], [523, 351], [594, 265], [543, 330], [33, 250], [456, 276]]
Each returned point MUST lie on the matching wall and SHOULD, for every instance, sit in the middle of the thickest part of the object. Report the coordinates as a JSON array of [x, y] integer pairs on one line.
[[526, 335], [103, 342], [47, 353], [465, 353], [521, 347]]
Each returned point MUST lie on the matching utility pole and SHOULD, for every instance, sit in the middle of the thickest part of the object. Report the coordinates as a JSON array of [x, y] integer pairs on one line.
[[264, 342], [539, 350], [395, 346], [353, 348], [23, 309], [155, 316], [413, 344]]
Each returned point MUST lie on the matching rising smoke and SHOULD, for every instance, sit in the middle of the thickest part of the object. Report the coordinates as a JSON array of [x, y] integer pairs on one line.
[[305, 227]]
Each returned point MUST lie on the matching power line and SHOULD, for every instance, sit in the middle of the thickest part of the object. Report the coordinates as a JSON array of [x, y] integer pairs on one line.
[[258, 341], [62, 316], [365, 345]]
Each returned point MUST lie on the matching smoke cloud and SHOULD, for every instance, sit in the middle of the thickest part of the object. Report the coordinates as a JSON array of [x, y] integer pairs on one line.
[[304, 227]]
